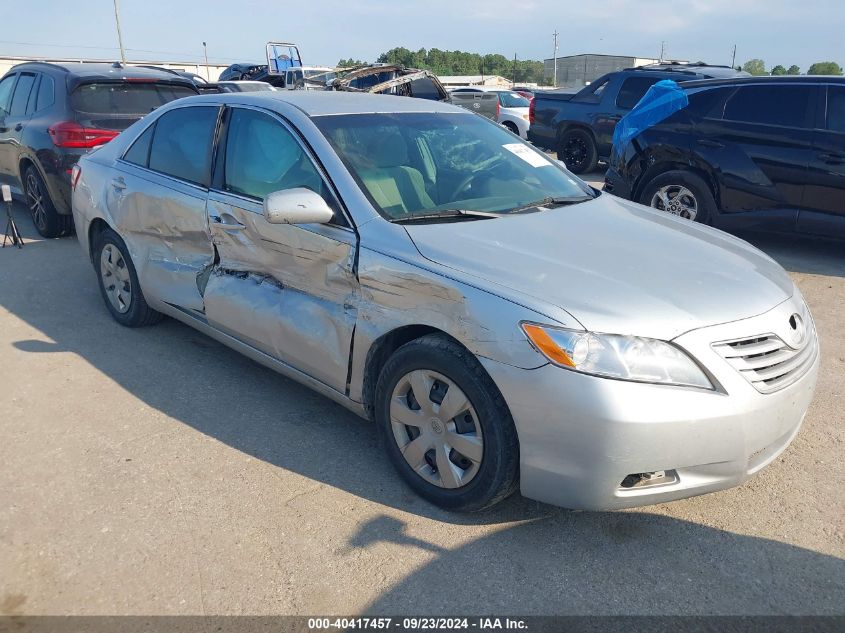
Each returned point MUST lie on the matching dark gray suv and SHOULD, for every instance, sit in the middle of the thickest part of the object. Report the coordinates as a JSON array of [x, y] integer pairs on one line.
[[51, 114]]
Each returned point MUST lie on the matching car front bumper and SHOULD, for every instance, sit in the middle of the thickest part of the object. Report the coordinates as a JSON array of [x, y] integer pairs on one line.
[[581, 436]]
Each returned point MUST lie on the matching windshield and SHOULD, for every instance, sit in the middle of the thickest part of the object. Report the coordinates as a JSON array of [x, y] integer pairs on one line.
[[321, 75], [420, 163], [512, 100]]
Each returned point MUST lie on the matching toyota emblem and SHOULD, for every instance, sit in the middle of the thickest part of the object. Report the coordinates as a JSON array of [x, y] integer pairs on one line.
[[797, 329]]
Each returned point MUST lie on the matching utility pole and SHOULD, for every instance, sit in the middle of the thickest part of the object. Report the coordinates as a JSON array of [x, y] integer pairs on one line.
[[554, 59], [513, 83], [733, 59], [662, 50], [207, 69], [119, 36]]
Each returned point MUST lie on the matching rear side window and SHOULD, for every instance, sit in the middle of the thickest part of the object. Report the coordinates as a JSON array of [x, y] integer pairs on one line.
[[593, 93], [46, 93], [632, 90], [836, 108], [139, 153], [6, 92], [770, 105], [125, 98], [512, 100], [21, 95], [181, 145]]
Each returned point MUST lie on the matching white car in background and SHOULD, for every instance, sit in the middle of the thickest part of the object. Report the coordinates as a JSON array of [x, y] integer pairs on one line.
[[506, 107]]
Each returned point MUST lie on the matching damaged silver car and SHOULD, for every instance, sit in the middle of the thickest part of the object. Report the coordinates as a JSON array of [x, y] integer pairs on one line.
[[504, 324]]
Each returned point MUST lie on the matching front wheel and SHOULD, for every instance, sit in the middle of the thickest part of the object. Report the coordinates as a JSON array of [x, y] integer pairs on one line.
[[578, 151], [680, 193], [445, 425]]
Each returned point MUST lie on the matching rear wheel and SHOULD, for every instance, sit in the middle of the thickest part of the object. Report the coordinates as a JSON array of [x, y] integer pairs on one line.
[[680, 193], [119, 282], [48, 222], [578, 151], [445, 426], [511, 127]]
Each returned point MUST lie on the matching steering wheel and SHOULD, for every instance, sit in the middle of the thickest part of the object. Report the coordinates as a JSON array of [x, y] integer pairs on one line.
[[466, 182]]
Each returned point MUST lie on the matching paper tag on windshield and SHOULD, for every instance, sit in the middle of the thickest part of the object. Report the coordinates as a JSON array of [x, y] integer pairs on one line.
[[529, 156]]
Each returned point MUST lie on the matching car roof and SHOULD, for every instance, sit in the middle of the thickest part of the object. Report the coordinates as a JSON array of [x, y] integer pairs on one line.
[[105, 71], [328, 102], [765, 79]]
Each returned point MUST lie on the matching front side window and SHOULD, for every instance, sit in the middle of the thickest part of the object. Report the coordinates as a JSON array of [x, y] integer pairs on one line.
[[181, 144], [6, 93], [21, 95], [770, 105], [262, 156], [477, 165], [632, 90]]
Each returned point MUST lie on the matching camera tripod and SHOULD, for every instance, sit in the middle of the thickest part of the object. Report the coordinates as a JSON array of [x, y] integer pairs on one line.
[[12, 232]]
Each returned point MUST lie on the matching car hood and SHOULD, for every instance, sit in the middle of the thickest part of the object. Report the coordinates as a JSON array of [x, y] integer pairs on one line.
[[615, 266]]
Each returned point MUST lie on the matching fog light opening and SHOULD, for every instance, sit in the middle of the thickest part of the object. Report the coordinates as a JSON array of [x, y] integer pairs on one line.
[[645, 480]]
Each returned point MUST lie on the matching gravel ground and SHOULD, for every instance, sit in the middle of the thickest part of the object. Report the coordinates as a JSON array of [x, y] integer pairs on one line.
[[154, 471]]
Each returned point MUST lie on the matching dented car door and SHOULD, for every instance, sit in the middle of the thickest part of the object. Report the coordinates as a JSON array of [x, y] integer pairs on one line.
[[158, 200], [287, 290]]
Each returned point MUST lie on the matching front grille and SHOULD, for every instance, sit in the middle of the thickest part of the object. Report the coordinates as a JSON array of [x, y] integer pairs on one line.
[[767, 362]]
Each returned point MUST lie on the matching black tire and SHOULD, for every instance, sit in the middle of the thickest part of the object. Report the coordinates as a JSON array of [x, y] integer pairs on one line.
[[138, 314], [498, 472], [511, 127], [578, 151], [677, 179], [48, 222]]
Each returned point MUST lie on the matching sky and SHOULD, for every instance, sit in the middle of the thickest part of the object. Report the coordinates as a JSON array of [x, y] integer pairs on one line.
[[778, 31]]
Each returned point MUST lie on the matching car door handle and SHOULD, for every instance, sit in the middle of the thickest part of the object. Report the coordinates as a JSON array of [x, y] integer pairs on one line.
[[832, 158], [708, 143], [227, 223], [118, 183]]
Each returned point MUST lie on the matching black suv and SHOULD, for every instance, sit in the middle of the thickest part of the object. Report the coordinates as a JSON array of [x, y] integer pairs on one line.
[[757, 153], [580, 125], [51, 114]]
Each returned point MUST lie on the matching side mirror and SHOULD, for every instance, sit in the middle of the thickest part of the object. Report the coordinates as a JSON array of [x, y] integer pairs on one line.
[[296, 206]]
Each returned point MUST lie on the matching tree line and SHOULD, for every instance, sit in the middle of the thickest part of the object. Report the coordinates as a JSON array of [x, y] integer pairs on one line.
[[460, 63], [757, 67]]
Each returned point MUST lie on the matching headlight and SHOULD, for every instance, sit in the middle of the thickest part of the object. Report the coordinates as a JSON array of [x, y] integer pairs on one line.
[[613, 356]]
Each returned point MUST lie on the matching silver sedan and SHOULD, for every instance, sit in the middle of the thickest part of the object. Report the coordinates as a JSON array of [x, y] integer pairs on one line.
[[505, 325]]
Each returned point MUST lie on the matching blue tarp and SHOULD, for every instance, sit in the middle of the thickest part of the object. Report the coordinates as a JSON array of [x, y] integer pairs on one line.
[[661, 101]]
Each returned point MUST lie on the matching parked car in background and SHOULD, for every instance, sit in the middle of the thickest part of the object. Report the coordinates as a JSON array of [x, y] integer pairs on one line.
[[197, 79], [51, 114], [243, 86], [757, 153], [505, 107], [528, 93], [505, 325], [579, 125]]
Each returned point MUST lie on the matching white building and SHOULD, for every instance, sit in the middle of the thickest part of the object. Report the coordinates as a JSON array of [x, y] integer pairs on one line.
[[460, 81]]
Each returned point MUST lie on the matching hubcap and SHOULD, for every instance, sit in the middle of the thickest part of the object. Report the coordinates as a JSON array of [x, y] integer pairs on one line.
[[436, 428], [116, 278], [35, 198], [677, 200]]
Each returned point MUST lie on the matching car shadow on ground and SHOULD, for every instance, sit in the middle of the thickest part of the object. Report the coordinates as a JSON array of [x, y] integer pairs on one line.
[[800, 254], [631, 563], [614, 562]]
